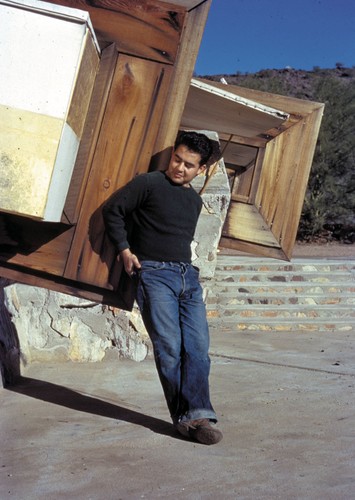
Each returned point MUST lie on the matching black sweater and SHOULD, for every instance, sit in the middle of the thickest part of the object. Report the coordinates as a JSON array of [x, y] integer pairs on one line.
[[154, 217]]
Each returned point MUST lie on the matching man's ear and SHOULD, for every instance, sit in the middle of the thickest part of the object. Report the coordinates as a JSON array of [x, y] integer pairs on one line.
[[201, 168]]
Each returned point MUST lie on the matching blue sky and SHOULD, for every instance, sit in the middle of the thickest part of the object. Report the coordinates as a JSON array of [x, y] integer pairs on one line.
[[250, 35]]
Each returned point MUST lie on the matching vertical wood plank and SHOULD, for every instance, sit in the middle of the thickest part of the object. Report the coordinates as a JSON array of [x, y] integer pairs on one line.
[[84, 85], [91, 131], [184, 65], [284, 178], [124, 148]]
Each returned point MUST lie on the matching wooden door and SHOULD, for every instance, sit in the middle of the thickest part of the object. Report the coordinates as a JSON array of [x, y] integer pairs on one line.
[[123, 149]]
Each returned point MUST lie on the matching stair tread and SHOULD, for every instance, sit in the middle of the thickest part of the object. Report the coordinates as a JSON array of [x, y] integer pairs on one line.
[[230, 319], [274, 295], [281, 283]]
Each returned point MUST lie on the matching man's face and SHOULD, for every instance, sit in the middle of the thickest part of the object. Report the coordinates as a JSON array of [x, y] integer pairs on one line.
[[184, 166]]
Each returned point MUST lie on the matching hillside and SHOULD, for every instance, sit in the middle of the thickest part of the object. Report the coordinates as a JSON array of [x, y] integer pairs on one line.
[[329, 208], [293, 82]]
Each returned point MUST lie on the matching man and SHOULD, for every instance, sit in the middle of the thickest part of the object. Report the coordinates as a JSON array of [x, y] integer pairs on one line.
[[164, 209]]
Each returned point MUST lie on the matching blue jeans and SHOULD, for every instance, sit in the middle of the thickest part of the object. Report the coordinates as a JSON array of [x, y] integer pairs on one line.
[[169, 296]]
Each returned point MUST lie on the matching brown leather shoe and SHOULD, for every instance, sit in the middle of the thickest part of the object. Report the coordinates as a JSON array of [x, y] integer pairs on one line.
[[201, 430]]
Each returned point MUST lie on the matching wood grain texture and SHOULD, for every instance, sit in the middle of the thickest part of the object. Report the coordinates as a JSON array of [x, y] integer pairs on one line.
[[77, 188], [244, 222], [124, 148], [279, 185], [284, 177], [253, 249], [83, 87], [62, 285], [149, 29], [295, 107], [193, 28], [42, 247]]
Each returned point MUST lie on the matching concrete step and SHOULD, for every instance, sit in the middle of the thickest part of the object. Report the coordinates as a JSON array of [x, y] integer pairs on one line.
[[264, 294], [280, 298], [226, 262]]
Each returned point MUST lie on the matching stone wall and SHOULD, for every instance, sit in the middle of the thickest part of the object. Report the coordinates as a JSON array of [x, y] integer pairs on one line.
[[216, 198], [55, 326]]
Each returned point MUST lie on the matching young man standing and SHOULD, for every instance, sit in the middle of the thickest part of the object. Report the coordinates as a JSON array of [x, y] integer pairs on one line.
[[164, 209]]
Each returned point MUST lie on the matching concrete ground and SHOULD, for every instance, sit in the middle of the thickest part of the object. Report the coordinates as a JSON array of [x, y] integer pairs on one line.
[[102, 432]]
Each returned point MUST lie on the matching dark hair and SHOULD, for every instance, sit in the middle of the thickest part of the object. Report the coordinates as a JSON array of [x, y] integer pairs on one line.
[[196, 142]]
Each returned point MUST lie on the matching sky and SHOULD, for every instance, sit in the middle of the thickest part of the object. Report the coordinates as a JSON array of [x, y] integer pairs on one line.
[[251, 35]]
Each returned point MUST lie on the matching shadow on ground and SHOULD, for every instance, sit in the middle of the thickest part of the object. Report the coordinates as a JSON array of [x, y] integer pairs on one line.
[[62, 396]]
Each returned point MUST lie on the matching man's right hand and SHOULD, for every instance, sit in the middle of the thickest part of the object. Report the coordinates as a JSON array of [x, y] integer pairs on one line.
[[130, 261]]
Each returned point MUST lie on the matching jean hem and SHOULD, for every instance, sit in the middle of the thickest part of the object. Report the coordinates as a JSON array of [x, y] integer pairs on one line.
[[197, 414]]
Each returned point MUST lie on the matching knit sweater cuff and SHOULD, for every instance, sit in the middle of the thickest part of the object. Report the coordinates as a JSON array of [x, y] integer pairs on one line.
[[122, 246]]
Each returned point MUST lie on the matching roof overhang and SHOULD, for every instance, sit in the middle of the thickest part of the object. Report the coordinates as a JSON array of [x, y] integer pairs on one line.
[[213, 108]]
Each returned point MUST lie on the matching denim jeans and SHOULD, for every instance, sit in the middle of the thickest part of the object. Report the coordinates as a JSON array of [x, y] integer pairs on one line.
[[169, 296]]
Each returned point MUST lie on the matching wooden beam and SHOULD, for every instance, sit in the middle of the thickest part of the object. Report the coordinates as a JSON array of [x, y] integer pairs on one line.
[[62, 285], [253, 249], [148, 29], [194, 24], [91, 131]]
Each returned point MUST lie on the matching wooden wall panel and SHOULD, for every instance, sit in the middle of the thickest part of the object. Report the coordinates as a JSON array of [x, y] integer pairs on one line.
[[279, 188], [297, 108], [124, 148], [253, 248], [42, 246], [149, 29], [184, 66], [84, 84], [35, 278], [284, 178], [269, 227], [244, 222], [91, 132]]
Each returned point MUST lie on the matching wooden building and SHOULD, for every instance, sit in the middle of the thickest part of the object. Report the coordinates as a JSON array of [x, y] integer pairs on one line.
[[267, 142], [141, 93]]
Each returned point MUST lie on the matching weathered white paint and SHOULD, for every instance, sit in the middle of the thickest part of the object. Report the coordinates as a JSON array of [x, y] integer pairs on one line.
[[41, 50], [39, 56]]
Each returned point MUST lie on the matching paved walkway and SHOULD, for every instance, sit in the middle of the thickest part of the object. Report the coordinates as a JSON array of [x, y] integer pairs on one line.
[[101, 431]]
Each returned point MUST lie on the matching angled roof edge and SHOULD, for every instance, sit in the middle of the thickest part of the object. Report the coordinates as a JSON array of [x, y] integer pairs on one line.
[[294, 106], [240, 100]]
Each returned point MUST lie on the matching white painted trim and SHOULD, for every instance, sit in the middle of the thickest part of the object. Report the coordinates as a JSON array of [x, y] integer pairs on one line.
[[61, 176], [238, 99]]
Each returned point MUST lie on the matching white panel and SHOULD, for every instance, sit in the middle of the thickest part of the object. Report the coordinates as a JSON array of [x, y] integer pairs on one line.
[[59, 11], [62, 172], [41, 50], [38, 60]]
